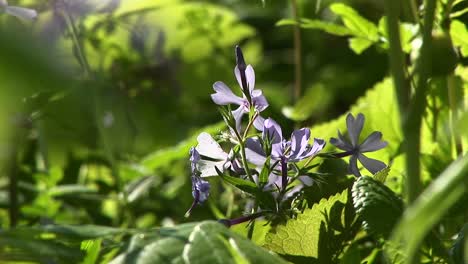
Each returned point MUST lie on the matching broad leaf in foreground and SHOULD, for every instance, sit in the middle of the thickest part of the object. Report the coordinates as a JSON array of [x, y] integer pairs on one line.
[[203, 242]]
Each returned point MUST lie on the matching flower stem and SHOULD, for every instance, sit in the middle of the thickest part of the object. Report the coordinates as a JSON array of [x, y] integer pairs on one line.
[[242, 219], [284, 174], [297, 53]]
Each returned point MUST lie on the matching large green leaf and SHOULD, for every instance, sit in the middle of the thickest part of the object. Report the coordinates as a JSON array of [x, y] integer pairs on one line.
[[204, 242], [305, 235]]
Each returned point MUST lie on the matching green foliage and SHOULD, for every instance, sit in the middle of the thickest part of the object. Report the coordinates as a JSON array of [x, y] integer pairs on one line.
[[205, 242], [316, 232], [377, 206], [459, 34]]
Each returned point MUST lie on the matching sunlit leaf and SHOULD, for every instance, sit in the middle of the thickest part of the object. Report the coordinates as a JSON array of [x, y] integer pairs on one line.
[[359, 26], [459, 34], [301, 236]]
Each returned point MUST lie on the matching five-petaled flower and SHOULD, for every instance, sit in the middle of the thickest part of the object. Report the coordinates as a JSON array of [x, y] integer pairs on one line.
[[372, 143], [295, 150], [200, 187], [225, 96], [284, 151]]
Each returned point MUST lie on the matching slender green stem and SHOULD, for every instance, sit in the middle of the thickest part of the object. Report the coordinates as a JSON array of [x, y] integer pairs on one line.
[[12, 170], [297, 54], [397, 62], [454, 106], [244, 161], [412, 125]]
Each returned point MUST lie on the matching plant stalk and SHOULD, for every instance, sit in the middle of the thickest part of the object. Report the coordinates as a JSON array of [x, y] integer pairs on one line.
[[297, 54]]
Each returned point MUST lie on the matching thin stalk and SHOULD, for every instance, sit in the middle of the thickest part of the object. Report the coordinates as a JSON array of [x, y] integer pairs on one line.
[[412, 125], [297, 54], [244, 161], [12, 170], [453, 103], [397, 60]]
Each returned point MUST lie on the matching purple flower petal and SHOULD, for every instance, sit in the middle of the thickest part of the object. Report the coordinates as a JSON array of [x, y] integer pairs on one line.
[[21, 12], [238, 113], [277, 151], [306, 180], [354, 127], [249, 75], [259, 101], [224, 95], [208, 147], [200, 189], [371, 165], [373, 142], [352, 167], [341, 143], [272, 131], [254, 152], [299, 141], [258, 123]]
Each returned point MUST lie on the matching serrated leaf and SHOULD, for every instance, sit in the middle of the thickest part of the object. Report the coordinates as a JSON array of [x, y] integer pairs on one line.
[[459, 34], [302, 236], [358, 25], [381, 176], [205, 242], [377, 205]]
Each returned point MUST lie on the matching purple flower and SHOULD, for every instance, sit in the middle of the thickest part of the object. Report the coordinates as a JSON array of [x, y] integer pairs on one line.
[[20, 12], [296, 149], [200, 187], [251, 98], [372, 143], [284, 151]]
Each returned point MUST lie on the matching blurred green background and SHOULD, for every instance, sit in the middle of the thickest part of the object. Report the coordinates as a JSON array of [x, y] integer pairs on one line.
[[102, 99]]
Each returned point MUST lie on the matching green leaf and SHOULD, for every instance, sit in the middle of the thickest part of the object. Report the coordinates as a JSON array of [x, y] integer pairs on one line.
[[243, 185], [260, 229], [265, 173], [420, 217], [330, 28], [381, 176], [81, 232], [459, 34], [377, 205], [92, 248], [205, 242], [358, 45], [303, 236], [407, 33], [303, 109], [139, 187], [358, 25]]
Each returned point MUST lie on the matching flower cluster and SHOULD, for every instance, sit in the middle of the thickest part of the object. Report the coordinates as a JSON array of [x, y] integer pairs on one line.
[[272, 169]]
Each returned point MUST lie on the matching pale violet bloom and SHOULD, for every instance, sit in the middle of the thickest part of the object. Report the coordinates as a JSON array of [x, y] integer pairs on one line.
[[352, 147], [200, 187], [294, 150], [212, 155], [20, 12], [225, 96], [283, 151]]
